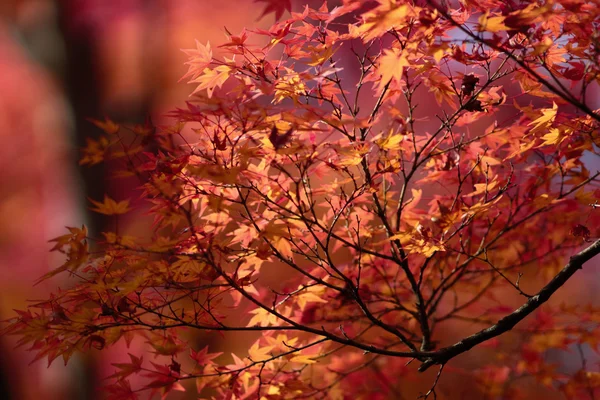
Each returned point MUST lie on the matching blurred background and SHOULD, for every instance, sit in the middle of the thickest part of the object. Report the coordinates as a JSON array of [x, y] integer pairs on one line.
[[61, 62]]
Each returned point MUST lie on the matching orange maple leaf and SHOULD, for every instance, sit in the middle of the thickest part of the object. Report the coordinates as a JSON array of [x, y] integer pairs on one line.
[[391, 65], [94, 151], [543, 122], [199, 58], [211, 79], [107, 125], [491, 24], [110, 207]]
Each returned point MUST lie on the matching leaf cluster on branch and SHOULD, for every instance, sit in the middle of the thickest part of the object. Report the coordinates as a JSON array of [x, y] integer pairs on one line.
[[374, 189]]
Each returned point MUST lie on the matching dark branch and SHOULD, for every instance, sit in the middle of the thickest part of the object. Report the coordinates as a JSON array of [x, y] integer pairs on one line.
[[508, 322]]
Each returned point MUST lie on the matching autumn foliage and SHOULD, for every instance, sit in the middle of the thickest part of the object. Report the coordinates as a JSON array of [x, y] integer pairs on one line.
[[374, 189]]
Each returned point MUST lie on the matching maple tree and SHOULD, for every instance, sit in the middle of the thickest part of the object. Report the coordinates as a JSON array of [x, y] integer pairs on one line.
[[307, 153]]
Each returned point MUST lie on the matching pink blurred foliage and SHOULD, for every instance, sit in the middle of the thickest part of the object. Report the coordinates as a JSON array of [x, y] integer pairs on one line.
[[36, 198]]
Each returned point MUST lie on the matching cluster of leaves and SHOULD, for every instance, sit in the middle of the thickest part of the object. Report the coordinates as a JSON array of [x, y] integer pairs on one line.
[[303, 183]]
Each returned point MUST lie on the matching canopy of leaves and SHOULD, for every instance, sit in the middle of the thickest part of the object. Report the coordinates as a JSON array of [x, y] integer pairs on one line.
[[355, 180]]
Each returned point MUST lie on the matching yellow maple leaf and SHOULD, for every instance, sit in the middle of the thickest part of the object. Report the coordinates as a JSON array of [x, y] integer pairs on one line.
[[479, 207], [390, 142], [414, 242], [303, 359], [488, 160], [262, 317], [422, 247], [491, 24], [391, 65], [281, 341], [186, 264], [75, 247], [542, 46], [481, 188], [387, 15], [210, 79], [549, 340], [318, 55], [309, 297], [110, 207], [283, 246], [257, 353], [74, 235], [290, 86], [552, 138], [548, 116], [349, 157], [403, 237], [438, 51]]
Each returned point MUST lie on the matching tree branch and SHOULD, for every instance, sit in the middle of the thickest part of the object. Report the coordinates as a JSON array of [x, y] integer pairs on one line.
[[508, 322]]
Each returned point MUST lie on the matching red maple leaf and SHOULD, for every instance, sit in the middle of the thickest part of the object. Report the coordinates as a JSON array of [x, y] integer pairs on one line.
[[275, 6]]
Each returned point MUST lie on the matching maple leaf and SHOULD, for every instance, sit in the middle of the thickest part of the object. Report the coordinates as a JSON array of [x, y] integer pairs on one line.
[[258, 353], [75, 235], [127, 369], [581, 231], [121, 390], [553, 137], [275, 6], [279, 140], [290, 190], [310, 295], [262, 317], [491, 24], [533, 13], [107, 125], [282, 341], [199, 58], [468, 84], [303, 359], [211, 78], [548, 116], [481, 188], [94, 151], [555, 55], [76, 248], [203, 357], [236, 41], [389, 142], [166, 346], [113, 238], [164, 380], [384, 17], [290, 86], [576, 72], [320, 55], [110, 206], [440, 86], [244, 234], [391, 65]]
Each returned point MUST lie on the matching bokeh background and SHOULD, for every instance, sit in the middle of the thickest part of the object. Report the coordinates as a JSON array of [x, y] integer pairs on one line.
[[62, 62]]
